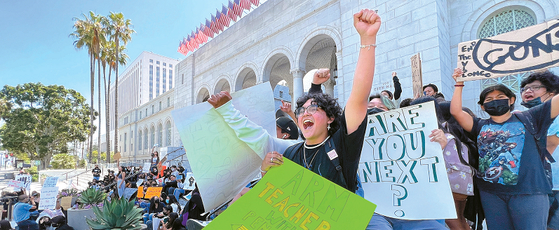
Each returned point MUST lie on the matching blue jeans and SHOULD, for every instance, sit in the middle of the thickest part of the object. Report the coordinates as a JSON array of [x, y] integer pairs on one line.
[[381, 222], [553, 221], [177, 192], [27, 225], [515, 211]]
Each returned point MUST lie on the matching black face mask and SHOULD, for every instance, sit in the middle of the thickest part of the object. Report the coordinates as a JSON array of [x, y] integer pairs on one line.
[[532, 103], [497, 107], [374, 110]]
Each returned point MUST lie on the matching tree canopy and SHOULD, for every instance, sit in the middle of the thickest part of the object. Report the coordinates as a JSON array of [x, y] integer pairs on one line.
[[41, 120]]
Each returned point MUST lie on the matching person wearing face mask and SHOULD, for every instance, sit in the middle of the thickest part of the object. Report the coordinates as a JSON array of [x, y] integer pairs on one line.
[[536, 89], [513, 181]]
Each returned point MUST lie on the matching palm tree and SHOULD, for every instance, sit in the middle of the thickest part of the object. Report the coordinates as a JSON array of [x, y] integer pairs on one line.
[[120, 31], [108, 57], [102, 41], [88, 33]]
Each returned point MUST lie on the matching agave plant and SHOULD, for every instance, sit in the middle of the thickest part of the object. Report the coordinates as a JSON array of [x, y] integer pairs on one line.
[[118, 213], [92, 197]]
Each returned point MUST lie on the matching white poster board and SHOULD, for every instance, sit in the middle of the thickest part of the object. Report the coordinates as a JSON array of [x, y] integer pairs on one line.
[[528, 49], [26, 179], [221, 162], [50, 182], [48, 198], [146, 167], [17, 185], [401, 170]]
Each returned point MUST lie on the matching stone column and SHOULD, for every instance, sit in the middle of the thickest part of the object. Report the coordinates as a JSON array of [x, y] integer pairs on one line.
[[298, 90]]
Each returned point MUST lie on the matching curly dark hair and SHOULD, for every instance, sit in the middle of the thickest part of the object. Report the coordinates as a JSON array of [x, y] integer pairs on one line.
[[328, 104], [549, 80], [498, 87]]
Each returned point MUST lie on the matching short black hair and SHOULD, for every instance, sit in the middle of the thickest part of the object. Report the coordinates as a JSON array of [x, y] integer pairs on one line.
[[432, 86], [328, 104], [406, 102], [549, 80], [498, 87]]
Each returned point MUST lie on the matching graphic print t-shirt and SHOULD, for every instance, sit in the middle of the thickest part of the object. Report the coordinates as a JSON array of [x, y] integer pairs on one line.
[[500, 151], [509, 161]]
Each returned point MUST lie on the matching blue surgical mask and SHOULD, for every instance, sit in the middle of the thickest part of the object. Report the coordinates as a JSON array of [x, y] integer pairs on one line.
[[167, 201], [532, 103]]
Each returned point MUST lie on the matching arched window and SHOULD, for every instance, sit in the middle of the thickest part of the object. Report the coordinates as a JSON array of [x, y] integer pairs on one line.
[[125, 142], [160, 134], [146, 138], [152, 141], [140, 140], [504, 21], [168, 133]]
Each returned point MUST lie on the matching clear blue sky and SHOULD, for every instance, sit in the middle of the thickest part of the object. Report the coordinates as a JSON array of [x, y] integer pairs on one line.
[[35, 45]]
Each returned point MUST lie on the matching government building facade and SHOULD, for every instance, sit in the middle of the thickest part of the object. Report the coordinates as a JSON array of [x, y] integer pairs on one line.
[[281, 40]]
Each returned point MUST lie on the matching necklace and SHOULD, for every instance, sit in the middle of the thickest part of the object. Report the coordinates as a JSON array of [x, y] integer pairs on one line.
[[308, 165]]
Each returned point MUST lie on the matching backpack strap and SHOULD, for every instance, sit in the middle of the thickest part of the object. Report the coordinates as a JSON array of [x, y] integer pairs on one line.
[[330, 149], [526, 119], [291, 150]]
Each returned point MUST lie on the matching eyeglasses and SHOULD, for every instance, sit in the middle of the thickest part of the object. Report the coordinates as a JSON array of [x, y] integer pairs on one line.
[[532, 88], [311, 109]]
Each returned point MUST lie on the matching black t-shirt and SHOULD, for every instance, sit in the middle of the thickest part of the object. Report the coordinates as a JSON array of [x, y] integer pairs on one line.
[[96, 172], [348, 148], [509, 160]]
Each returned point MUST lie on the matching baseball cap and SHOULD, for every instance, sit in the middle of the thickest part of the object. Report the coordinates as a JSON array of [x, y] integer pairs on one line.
[[288, 126]]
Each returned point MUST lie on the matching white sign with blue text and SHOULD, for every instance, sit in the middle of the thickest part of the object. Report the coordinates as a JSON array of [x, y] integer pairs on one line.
[[401, 170]]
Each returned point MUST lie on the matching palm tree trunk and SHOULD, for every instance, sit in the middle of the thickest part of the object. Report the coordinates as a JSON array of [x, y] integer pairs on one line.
[[92, 70], [107, 115], [99, 111], [116, 97]]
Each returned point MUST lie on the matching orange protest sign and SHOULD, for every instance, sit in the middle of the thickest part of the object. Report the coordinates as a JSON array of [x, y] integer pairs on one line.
[[153, 191], [140, 192]]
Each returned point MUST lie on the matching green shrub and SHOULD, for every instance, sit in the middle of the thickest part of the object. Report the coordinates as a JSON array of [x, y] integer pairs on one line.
[[116, 214]]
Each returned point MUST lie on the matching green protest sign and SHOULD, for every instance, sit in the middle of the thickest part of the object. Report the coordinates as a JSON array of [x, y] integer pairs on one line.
[[292, 197]]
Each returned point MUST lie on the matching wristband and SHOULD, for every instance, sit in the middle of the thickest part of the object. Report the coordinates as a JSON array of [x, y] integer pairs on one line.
[[262, 171], [459, 85], [368, 46]]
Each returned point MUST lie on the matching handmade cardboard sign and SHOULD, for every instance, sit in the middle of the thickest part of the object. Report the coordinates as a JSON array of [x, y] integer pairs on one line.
[[292, 197], [48, 198], [221, 163], [401, 170], [65, 202], [528, 49], [50, 182], [416, 75], [117, 156], [153, 191]]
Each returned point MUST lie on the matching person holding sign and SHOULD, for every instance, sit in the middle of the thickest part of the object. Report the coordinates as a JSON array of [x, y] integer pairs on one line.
[[332, 136], [513, 183], [536, 89]]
